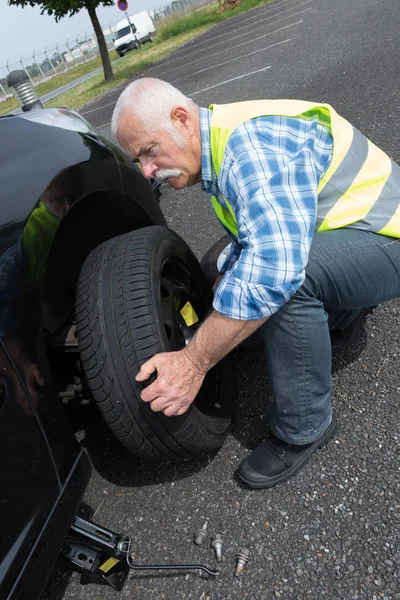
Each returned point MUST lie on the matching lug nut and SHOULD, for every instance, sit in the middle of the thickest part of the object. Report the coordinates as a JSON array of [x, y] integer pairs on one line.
[[242, 558], [216, 545], [200, 534]]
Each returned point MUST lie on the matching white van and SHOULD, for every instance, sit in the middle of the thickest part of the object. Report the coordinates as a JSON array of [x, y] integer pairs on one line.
[[133, 31]]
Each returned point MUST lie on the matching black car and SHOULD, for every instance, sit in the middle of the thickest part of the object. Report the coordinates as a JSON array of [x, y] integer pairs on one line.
[[92, 284]]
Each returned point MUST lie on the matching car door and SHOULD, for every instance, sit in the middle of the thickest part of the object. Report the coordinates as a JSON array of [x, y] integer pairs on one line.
[[28, 480]]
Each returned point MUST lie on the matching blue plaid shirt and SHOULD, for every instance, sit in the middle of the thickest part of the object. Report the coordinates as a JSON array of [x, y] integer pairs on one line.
[[270, 174]]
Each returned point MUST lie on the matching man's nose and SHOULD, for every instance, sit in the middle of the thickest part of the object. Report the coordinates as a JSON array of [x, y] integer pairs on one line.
[[148, 168]]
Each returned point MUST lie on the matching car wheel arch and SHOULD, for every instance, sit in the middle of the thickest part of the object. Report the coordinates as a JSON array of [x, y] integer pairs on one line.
[[92, 220]]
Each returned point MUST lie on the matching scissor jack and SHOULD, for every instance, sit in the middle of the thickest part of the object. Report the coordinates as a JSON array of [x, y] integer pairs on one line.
[[105, 556]]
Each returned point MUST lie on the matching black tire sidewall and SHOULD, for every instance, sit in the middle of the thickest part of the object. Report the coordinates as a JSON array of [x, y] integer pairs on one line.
[[127, 415]]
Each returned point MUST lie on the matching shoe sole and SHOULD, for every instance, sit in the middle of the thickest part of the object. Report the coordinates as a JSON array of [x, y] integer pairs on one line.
[[328, 435]]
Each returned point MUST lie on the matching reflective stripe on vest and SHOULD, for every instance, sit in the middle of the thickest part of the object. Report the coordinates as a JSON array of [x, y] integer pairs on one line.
[[360, 188]]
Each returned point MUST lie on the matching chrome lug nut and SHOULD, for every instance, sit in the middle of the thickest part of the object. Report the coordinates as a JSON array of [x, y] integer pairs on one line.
[[242, 558], [200, 534], [216, 545]]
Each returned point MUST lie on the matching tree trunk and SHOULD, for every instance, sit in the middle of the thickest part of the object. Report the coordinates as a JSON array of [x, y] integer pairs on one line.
[[105, 59]]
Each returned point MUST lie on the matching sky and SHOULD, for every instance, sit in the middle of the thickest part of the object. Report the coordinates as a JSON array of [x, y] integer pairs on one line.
[[23, 30]]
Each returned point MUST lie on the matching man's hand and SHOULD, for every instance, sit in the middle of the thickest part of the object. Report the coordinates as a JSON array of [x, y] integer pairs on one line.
[[178, 382], [180, 374]]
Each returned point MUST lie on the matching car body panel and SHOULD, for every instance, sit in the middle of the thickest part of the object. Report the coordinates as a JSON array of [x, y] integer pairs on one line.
[[31, 578], [63, 190]]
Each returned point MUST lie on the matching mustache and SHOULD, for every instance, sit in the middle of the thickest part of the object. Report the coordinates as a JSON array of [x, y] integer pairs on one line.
[[163, 174]]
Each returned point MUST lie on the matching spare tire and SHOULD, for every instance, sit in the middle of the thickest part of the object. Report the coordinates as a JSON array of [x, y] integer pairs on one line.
[[209, 260], [140, 294]]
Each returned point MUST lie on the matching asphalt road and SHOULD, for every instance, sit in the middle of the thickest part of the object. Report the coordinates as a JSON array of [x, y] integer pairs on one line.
[[332, 531]]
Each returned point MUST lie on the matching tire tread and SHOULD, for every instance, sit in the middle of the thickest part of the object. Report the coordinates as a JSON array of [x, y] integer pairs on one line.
[[118, 331]]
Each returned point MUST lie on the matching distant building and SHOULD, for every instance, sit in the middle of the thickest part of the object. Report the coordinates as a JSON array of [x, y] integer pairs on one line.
[[86, 48], [109, 36]]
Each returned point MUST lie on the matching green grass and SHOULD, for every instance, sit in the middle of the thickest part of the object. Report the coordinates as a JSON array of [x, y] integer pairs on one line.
[[172, 33], [8, 105], [209, 15], [173, 27]]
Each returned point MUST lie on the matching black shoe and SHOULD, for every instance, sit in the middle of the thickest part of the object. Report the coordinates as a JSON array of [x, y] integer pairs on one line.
[[343, 338], [275, 461]]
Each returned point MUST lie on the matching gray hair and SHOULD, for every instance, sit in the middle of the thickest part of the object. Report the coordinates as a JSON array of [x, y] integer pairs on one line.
[[151, 100]]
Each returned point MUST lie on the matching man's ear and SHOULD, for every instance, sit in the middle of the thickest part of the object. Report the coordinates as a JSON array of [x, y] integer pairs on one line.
[[181, 114]]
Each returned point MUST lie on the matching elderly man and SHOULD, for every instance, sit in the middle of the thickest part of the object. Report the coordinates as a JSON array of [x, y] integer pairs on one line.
[[312, 207]]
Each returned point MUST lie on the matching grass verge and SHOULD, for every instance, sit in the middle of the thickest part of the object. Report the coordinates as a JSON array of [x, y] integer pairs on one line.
[[210, 15], [171, 34]]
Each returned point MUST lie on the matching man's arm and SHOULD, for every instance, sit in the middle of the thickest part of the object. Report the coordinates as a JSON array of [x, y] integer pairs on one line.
[[180, 374], [217, 336]]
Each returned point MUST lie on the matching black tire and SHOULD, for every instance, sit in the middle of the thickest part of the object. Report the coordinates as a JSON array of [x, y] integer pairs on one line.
[[209, 260], [129, 296]]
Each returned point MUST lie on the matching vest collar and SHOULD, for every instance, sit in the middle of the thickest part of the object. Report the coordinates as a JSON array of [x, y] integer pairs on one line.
[[209, 180]]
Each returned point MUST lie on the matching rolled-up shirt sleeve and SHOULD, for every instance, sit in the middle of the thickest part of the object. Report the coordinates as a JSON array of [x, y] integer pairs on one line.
[[274, 198]]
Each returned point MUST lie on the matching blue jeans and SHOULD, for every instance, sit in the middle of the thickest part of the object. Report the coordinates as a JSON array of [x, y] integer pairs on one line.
[[348, 270]]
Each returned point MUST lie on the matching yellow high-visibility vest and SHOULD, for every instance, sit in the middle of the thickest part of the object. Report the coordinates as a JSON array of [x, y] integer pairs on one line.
[[360, 188]]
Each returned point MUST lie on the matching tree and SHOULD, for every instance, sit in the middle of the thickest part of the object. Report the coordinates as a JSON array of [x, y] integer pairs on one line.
[[56, 58], [32, 70], [45, 65], [63, 8]]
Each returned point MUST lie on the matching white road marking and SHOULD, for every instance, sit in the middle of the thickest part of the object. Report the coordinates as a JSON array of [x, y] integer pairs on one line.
[[104, 125], [228, 81], [260, 37], [189, 54], [232, 60], [210, 87], [231, 32], [98, 108], [213, 66]]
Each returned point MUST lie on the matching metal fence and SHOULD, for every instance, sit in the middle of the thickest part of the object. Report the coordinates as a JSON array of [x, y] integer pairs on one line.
[[45, 64], [180, 6]]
